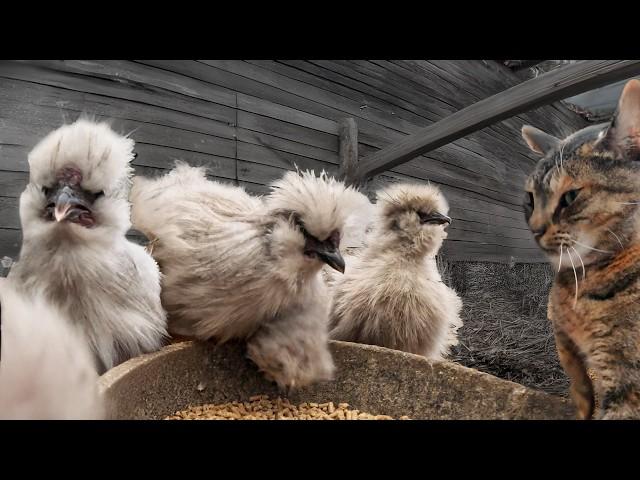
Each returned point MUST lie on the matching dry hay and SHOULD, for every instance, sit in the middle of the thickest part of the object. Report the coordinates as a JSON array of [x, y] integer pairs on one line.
[[506, 331]]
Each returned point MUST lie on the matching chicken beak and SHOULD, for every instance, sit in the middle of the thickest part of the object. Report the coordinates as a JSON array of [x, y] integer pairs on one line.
[[66, 202], [333, 258], [438, 219]]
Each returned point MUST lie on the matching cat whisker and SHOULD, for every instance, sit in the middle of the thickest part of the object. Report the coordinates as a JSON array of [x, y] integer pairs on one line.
[[628, 203], [589, 248], [560, 261], [617, 238], [580, 258], [575, 274]]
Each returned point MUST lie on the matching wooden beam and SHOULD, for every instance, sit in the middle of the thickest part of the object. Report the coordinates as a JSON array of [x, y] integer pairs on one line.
[[348, 155], [520, 64], [547, 88]]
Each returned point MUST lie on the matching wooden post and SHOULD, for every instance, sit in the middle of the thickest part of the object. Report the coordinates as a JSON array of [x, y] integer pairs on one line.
[[547, 88], [348, 150]]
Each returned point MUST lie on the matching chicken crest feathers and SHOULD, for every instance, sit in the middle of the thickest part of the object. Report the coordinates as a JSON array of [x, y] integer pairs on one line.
[[323, 202], [102, 155]]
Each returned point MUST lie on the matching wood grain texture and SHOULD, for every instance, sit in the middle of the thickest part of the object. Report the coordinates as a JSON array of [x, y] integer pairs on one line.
[[549, 87], [348, 150]]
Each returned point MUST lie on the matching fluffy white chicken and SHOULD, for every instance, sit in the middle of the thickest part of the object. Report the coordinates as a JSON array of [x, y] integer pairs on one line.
[[47, 371], [238, 266], [392, 294], [74, 215], [357, 227]]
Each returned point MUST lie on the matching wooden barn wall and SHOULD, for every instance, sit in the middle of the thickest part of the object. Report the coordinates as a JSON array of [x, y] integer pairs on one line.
[[249, 121]]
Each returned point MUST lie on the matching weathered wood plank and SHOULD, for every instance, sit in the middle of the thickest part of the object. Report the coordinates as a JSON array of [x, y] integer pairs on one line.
[[520, 64], [114, 88], [372, 133], [286, 145], [24, 95], [10, 242], [278, 128], [348, 150], [466, 93], [229, 80], [13, 157], [456, 233], [549, 87], [135, 73], [284, 160], [415, 105], [258, 173], [12, 183], [255, 188], [165, 157], [483, 227], [286, 114], [483, 80], [27, 129], [427, 168], [469, 251], [9, 215], [388, 113]]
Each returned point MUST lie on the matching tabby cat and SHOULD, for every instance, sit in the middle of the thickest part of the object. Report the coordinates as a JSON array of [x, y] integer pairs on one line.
[[582, 204]]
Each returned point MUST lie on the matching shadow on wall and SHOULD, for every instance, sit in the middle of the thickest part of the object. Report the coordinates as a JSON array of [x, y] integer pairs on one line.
[[506, 332]]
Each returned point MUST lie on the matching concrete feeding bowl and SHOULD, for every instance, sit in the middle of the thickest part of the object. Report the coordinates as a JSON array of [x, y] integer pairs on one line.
[[371, 379]]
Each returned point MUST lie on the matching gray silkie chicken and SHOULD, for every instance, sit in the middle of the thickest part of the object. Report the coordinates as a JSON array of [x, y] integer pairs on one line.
[[237, 266]]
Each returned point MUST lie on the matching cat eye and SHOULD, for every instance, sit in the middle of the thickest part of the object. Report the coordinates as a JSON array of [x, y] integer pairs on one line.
[[568, 198], [528, 199]]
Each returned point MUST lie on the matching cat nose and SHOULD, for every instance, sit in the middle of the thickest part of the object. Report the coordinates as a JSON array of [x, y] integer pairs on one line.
[[539, 232]]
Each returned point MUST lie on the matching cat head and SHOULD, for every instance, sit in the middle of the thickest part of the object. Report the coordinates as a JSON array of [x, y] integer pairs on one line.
[[582, 199]]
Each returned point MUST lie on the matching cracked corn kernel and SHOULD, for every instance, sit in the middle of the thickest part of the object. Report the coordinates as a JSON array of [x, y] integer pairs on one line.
[[260, 407]]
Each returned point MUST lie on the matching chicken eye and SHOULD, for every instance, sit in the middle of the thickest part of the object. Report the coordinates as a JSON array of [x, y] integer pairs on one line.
[[298, 222], [99, 194], [302, 229], [46, 190]]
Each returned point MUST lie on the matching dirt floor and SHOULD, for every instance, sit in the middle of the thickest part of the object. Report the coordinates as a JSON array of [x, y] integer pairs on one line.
[[506, 332]]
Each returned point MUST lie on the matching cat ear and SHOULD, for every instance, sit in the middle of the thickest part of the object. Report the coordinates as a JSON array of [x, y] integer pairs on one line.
[[624, 131], [539, 141]]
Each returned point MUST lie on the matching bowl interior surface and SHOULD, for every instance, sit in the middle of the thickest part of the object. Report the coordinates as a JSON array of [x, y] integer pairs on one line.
[[369, 378]]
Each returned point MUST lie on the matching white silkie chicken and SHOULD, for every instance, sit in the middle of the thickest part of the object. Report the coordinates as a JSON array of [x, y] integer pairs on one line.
[[357, 227], [75, 214], [46, 370], [392, 294]]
